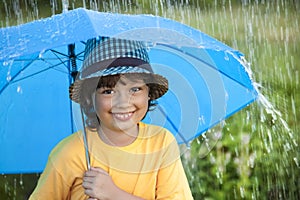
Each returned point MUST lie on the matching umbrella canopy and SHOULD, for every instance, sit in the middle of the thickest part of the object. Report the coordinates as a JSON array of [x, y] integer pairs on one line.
[[208, 80]]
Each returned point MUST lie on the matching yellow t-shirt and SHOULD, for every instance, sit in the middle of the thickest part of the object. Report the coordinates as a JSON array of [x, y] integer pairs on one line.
[[150, 167]]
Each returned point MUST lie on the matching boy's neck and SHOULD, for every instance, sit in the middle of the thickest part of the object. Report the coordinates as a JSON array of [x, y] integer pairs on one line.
[[120, 138]]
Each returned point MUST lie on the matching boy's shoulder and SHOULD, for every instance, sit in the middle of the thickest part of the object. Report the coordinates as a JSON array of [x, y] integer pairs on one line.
[[70, 144], [157, 131], [153, 127]]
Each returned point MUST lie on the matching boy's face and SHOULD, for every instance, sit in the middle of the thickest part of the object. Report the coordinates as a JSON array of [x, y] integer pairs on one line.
[[120, 108]]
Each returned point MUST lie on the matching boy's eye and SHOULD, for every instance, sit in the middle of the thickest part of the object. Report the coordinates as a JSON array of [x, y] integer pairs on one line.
[[135, 89], [106, 91]]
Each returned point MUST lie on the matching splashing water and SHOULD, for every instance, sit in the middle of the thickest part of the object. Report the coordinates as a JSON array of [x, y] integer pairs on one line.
[[272, 155]]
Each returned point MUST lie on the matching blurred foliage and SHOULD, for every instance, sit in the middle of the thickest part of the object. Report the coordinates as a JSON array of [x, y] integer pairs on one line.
[[17, 186], [257, 156]]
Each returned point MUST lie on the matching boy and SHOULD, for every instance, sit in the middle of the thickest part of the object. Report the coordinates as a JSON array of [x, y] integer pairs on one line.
[[130, 159]]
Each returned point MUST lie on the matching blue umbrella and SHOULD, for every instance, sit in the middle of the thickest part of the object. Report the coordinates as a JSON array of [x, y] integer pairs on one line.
[[209, 81]]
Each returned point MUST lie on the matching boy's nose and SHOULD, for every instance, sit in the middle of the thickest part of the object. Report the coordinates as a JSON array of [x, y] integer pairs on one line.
[[122, 99]]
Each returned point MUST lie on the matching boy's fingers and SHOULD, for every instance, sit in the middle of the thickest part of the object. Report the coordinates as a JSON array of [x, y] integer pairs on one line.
[[90, 173], [99, 170]]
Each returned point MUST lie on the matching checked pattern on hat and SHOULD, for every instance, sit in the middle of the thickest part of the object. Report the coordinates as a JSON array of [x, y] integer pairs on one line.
[[103, 48]]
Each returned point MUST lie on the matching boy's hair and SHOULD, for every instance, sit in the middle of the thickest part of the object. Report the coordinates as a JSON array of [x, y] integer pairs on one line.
[[91, 85]]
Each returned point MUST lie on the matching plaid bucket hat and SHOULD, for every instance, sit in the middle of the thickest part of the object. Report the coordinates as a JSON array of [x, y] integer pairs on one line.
[[106, 56]]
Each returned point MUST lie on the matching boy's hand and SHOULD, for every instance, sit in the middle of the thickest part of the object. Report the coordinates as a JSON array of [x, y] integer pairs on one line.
[[98, 184]]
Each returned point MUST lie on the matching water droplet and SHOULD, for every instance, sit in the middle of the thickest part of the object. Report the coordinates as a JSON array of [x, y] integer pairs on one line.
[[201, 120], [8, 77], [21, 180], [226, 57], [8, 63], [296, 161], [41, 54], [251, 161], [242, 191], [19, 89]]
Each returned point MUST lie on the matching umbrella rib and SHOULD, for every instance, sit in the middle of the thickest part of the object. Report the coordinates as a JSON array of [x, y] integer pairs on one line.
[[77, 56], [173, 125], [12, 79], [31, 75], [54, 51], [57, 52], [44, 60]]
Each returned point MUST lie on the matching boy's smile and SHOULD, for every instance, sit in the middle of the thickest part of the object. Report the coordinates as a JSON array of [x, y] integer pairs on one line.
[[123, 116]]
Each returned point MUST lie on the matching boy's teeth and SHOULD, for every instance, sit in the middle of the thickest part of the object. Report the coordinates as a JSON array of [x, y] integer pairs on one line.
[[122, 115]]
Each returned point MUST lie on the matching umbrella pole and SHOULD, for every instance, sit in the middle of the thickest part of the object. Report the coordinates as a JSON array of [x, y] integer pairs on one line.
[[74, 73], [86, 147]]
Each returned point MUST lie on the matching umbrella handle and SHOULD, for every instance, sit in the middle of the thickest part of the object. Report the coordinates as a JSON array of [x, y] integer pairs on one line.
[[86, 147]]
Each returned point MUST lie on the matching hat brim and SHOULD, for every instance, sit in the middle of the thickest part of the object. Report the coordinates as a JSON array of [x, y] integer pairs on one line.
[[158, 86]]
